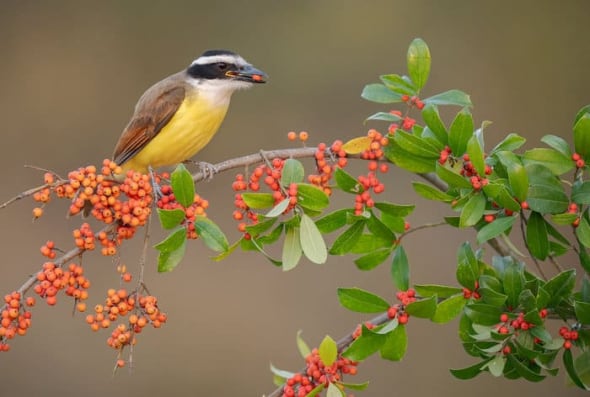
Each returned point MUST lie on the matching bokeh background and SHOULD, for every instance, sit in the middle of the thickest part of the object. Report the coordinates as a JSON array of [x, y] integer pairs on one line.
[[70, 73]]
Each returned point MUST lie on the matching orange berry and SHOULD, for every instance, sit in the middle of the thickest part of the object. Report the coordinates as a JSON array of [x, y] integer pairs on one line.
[[37, 212], [303, 136], [292, 135]]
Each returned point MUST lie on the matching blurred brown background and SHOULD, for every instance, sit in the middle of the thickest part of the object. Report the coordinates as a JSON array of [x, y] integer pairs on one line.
[[70, 73]]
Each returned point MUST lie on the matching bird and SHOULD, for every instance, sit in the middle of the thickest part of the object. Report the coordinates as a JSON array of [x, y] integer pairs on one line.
[[177, 117]]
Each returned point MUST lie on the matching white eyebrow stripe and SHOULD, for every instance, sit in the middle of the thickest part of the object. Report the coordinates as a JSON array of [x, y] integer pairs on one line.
[[238, 60]]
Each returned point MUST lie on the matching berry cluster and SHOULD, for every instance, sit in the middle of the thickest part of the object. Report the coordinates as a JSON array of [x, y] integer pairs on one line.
[[398, 310], [14, 319], [370, 181], [569, 335], [413, 101], [317, 373], [468, 294], [167, 201], [325, 166], [573, 209], [580, 163], [407, 122], [359, 329], [508, 325], [52, 279], [303, 136]]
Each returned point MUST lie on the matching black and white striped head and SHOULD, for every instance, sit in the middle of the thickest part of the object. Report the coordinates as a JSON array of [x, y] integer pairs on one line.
[[222, 67]]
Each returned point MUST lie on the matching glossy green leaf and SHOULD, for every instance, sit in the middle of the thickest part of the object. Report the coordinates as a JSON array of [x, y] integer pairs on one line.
[[418, 59], [355, 386], [398, 210], [312, 242], [582, 135], [365, 345], [334, 391], [171, 218], [452, 178], [172, 250], [475, 151], [281, 374], [481, 313], [460, 132], [380, 94], [346, 182], [557, 143], [292, 172], [416, 145], [211, 234], [278, 209], [523, 370], [471, 371], [568, 363], [372, 259], [510, 143], [517, 176], [582, 310], [262, 226], [449, 309], [302, 346], [434, 122], [291, 248], [536, 236], [431, 193], [383, 116], [423, 308], [557, 162], [361, 301], [546, 195], [400, 269], [492, 297], [451, 97], [311, 197], [396, 344], [500, 194], [258, 200], [467, 267], [399, 84], [334, 220], [494, 229], [406, 160], [316, 390], [583, 232], [442, 291], [513, 282], [560, 286], [581, 192], [472, 211], [496, 366], [344, 243], [564, 219], [368, 243], [328, 351], [182, 185]]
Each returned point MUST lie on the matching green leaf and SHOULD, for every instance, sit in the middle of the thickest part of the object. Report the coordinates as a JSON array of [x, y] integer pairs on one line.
[[432, 119], [368, 243], [361, 301], [471, 371], [564, 219], [431, 193], [311, 197], [334, 220], [355, 386], [291, 248], [312, 242], [406, 160], [423, 308], [442, 291], [582, 365], [334, 391], [496, 366], [328, 351], [380, 94], [546, 194], [510, 143], [292, 172], [365, 345], [416, 145], [451, 97], [262, 226], [400, 269], [182, 185], [345, 242], [472, 211], [281, 374], [568, 362], [316, 390], [346, 182], [449, 309], [582, 310], [498, 191], [582, 135], [396, 344], [418, 62], [481, 313], [397, 210], [278, 209], [468, 267], [399, 84], [523, 370], [517, 176], [171, 218], [513, 281], [558, 144], [536, 236], [494, 229], [583, 232], [560, 286], [581, 193], [381, 116], [453, 179], [372, 259], [211, 234], [460, 132], [557, 162], [492, 297], [171, 250], [258, 200], [475, 151], [303, 348]]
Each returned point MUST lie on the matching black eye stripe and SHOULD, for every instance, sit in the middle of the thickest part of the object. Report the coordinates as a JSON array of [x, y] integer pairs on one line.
[[215, 70]]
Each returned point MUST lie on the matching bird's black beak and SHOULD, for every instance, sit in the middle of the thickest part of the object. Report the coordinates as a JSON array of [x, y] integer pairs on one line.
[[248, 73]]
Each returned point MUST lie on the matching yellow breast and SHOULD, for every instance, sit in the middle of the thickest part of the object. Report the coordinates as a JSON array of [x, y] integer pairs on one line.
[[193, 125]]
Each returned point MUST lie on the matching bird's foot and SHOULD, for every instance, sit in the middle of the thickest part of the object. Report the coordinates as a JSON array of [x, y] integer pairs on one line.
[[207, 169]]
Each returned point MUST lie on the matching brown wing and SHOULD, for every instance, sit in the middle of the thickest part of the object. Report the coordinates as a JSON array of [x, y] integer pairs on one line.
[[152, 113]]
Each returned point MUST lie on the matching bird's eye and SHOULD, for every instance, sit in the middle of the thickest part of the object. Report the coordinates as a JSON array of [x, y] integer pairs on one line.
[[222, 66]]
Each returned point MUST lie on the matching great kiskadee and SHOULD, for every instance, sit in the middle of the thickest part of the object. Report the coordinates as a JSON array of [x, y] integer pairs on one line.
[[176, 117]]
